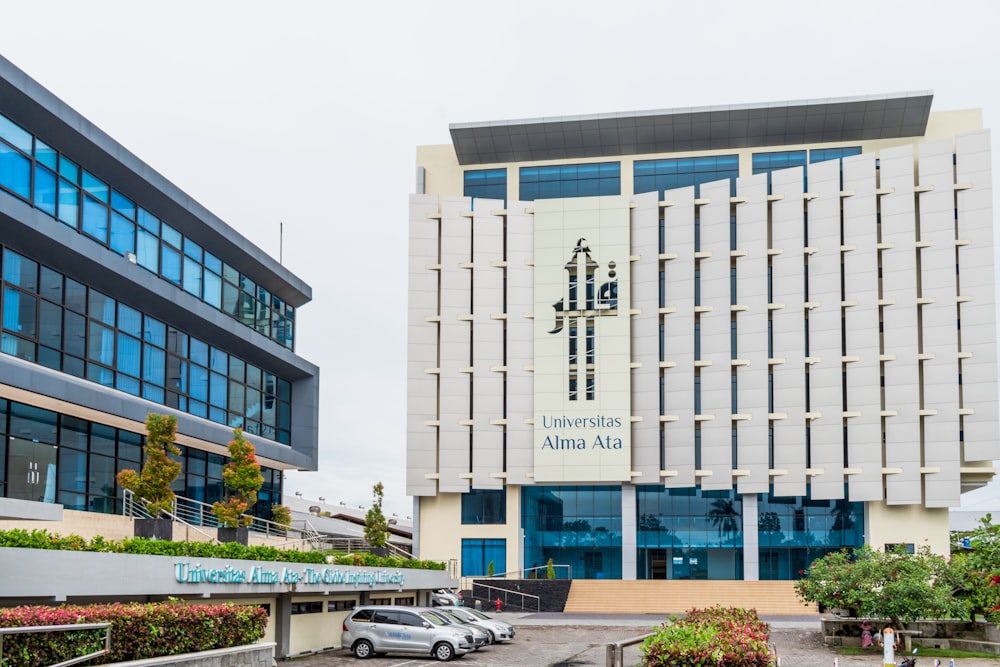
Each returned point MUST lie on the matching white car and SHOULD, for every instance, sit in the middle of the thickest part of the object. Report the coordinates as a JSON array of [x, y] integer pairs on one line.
[[444, 597], [499, 631]]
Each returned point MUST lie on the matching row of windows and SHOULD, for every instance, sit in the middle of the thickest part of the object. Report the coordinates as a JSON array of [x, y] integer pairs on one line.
[[584, 180], [62, 189], [50, 457], [57, 322]]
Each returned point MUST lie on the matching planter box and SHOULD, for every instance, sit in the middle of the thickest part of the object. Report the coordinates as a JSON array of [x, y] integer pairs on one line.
[[154, 529], [241, 535]]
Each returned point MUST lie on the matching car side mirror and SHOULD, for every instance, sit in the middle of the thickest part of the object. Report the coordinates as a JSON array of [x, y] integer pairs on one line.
[[426, 624]]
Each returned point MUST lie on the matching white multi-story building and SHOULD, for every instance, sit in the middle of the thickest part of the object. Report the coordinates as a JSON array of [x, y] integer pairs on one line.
[[704, 343]]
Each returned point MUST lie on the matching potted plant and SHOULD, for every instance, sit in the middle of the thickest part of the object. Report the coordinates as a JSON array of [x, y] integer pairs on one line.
[[376, 525], [152, 483], [242, 478]]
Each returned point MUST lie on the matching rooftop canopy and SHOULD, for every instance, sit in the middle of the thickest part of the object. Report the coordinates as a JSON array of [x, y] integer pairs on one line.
[[694, 129]]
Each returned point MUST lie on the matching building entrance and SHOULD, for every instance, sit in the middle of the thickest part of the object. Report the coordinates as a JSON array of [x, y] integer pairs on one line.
[[31, 471]]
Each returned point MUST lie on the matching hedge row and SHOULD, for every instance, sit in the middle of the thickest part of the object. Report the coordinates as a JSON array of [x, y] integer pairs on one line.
[[138, 631], [41, 539], [713, 637]]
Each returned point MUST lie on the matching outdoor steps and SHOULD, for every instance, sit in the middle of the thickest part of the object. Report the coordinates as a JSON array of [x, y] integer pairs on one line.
[[678, 596]]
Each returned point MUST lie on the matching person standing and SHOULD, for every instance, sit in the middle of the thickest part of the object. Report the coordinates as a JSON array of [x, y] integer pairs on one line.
[[866, 634]]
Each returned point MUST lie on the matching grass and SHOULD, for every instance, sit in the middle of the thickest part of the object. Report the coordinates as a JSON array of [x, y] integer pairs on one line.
[[923, 652]]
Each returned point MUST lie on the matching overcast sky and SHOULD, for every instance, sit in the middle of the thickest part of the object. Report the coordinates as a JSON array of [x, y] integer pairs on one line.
[[308, 113]]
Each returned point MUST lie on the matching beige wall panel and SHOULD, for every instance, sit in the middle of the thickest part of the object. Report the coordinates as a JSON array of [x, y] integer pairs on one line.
[[864, 397], [939, 330], [716, 379], [422, 343], [455, 351], [907, 524], [900, 327], [520, 344], [487, 345], [826, 431], [975, 224], [788, 332], [678, 339], [645, 273], [582, 289], [751, 329]]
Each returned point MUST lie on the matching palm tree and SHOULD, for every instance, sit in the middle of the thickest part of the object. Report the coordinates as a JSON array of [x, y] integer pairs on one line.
[[724, 516]]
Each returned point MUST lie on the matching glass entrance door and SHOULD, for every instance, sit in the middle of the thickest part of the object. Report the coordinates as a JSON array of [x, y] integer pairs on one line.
[[31, 471]]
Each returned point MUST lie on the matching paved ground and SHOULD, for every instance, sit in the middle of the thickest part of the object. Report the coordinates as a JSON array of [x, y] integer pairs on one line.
[[579, 640]]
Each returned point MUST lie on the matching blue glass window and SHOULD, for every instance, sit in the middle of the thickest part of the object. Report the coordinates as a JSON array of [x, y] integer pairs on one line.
[[123, 204], [765, 163], [192, 276], [45, 154], [155, 331], [46, 192], [149, 222], [69, 170], [129, 356], [484, 506], [153, 365], [19, 312], [486, 183], [669, 174], [95, 187], [170, 235], [570, 180], [822, 154], [477, 555], [95, 219], [15, 135], [101, 344], [20, 270], [122, 234], [212, 285], [170, 264], [147, 251], [129, 320], [69, 203], [15, 171]]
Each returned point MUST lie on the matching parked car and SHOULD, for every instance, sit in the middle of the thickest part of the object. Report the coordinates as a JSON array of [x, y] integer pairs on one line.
[[369, 631], [480, 637], [498, 630], [444, 597]]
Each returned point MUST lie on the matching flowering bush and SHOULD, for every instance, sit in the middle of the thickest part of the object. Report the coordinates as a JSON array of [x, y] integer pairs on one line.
[[243, 478], [138, 631], [152, 483], [713, 637]]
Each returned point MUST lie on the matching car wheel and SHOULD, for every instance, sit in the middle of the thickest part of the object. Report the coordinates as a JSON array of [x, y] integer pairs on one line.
[[490, 637], [443, 651], [363, 649]]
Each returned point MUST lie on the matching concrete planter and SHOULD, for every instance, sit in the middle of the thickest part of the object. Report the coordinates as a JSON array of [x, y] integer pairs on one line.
[[154, 529], [241, 535], [254, 655]]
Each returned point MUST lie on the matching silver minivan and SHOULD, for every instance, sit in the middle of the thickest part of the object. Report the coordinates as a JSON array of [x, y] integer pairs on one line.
[[369, 631]]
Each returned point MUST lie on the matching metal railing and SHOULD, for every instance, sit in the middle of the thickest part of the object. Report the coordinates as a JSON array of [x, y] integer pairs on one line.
[[197, 515], [616, 650], [505, 598], [64, 628]]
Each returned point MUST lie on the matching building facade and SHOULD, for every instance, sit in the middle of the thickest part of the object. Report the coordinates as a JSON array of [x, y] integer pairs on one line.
[[122, 296], [700, 344]]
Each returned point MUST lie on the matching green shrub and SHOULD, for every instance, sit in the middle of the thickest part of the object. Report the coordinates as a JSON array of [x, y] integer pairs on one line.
[[714, 637], [41, 539], [138, 631]]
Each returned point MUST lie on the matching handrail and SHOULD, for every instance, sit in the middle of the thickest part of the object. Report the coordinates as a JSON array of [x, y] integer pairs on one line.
[[615, 656], [506, 592], [106, 626]]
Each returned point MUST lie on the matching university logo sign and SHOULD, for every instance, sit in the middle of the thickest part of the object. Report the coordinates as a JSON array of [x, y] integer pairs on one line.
[[582, 378]]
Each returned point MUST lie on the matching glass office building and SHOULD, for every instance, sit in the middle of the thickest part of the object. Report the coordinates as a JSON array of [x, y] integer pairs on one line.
[[702, 344], [120, 296]]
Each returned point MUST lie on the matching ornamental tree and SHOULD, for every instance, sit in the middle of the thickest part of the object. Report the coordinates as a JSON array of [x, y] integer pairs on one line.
[[152, 483], [975, 571], [241, 476], [895, 585], [376, 525]]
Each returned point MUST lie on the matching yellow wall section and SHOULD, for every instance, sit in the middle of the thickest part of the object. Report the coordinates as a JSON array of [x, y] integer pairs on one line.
[[907, 524]]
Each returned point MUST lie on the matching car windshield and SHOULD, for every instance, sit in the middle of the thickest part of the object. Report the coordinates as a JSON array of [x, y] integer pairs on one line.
[[433, 618], [445, 619], [455, 618], [477, 614]]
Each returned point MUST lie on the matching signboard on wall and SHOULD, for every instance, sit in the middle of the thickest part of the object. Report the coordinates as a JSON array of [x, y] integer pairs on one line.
[[582, 379]]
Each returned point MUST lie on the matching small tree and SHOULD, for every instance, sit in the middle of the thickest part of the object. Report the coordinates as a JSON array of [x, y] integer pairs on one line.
[[490, 569], [376, 525], [242, 477], [550, 570], [895, 585], [974, 573], [159, 471], [281, 515]]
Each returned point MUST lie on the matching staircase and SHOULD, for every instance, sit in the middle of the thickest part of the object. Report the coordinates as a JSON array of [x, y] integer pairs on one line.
[[769, 598]]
